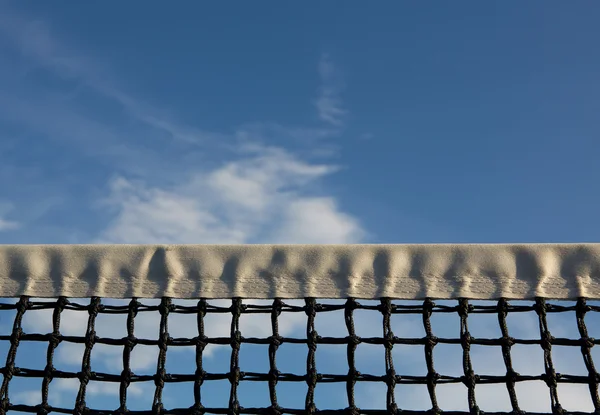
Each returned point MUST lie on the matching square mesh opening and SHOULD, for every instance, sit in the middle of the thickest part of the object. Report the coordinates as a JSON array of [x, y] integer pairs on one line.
[[407, 320]]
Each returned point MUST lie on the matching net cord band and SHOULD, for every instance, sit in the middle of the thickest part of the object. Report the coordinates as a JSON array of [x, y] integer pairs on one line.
[[485, 271]]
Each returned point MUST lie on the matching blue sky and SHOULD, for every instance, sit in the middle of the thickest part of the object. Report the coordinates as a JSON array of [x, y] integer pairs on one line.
[[298, 123], [407, 123]]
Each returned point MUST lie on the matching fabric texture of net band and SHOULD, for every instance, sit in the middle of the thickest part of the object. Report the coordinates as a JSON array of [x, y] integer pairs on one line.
[[559, 271], [377, 290]]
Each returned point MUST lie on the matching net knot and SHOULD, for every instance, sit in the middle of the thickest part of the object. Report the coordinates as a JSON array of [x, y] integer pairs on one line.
[[165, 306], [276, 341], [475, 410], [557, 409], [134, 306], [4, 405], [9, 370], [201, 341], [312, 377], [274, 375], [511, 376], [85, 375], [54, 339], [234, 407], [354, 340], [49, 372], [550, 377], [352, 410], [275, 410], [428, 305], [95, 307], [465, 340], [392, 408], [62, 302], [464, 308], [160, 377], [122, 410], [158, 408], [351, 304], [431, 341], [90, 339], [43, 409], [23, 305], [388, 340], [197, 409], [236, 339], [277, 306], [200, 375], [502, 307], [202, 308], [237, 307], [546, 341], [386, 307], [235, 375], [582, 308], [131, 342], [469, 379], [126, 376], [433, 377], [311, 409], [587, 343], [81, 408], [508, 341], [312, 339], [311, 307], [164, 341], [354, 374], [390, 378], [540, 306], [434, 410]]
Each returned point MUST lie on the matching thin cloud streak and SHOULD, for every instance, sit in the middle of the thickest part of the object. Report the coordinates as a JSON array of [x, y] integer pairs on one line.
[[329, 103], [6, 224], [35, 40]]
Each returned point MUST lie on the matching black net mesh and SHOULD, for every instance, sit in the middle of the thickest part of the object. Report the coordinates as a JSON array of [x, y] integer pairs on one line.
[[308, 356]]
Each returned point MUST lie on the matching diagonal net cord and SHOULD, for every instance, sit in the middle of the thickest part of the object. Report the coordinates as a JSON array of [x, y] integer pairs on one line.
[[54, 340], [86, 369], [550, 376], [275, 341], [312, 338], [507, 343], [469, 378], [200, 346], [15, 338], [431, 341], [163, 341], [353, 342], [586, 344], [235, 375], [388, 335], [129, 344]]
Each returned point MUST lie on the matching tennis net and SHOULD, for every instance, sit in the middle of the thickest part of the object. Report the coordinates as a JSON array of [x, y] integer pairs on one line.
[[257, 329]]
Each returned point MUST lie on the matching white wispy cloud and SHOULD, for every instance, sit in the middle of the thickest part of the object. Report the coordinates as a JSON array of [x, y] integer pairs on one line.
[[329, 103], [255, 192], [6, 224], [259, 198], [203, 201]]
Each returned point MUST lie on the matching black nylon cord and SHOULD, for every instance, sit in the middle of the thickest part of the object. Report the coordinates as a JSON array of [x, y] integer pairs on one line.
[[392, 379]]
